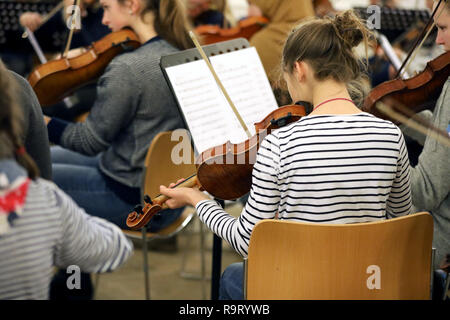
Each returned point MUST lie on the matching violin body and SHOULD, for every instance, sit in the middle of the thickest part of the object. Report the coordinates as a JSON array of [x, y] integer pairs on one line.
[[224, 171], [416, 93], [57, 79], [233, 163], [245, 29]]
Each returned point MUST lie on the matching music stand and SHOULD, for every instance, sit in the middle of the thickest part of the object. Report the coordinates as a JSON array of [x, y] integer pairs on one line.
[[192, 55], [394, 22]]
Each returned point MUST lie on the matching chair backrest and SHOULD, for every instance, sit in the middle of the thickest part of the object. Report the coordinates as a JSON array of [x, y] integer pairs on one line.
[[390, 259], [160, 169]]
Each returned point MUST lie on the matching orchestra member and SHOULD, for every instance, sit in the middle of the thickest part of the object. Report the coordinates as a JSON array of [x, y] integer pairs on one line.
[[336, 165]]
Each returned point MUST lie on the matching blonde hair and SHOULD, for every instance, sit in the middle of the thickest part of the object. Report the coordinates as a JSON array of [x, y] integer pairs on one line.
[[171, 21]]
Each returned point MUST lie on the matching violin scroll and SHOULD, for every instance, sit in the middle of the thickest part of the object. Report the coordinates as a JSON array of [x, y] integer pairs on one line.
[[142, 215]]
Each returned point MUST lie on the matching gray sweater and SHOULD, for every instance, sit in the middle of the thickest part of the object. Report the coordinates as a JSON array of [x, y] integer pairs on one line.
[[34, 128], [430, 179], [133, 104]]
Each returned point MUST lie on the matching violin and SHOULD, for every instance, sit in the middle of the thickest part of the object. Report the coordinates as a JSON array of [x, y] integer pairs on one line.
[[224, 171], [416, 93], [57, 79], [246, 28]]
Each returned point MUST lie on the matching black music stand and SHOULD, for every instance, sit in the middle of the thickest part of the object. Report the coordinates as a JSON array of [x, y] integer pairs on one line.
[[394, 22], [185, 57]]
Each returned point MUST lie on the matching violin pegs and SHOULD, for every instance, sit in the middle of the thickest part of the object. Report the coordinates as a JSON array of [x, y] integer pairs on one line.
[[138, 209], [147, 199]]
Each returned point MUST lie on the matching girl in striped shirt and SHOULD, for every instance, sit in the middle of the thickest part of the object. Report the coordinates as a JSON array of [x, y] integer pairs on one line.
[[40, 226], [336, 165]]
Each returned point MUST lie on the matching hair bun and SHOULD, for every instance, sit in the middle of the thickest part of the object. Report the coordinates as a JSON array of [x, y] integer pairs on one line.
[[349, 28]]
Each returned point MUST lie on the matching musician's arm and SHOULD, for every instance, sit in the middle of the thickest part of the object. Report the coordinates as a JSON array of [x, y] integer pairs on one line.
[[35, 133], [263, 202], [92, 243], [429, 179], [30, 20], [399, 202], [115, 106]]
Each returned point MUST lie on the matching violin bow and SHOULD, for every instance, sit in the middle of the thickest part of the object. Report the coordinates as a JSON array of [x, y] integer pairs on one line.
[[417, 124], [34, 43], [72, 28], [219, 83], [390, 53], [422, 38]]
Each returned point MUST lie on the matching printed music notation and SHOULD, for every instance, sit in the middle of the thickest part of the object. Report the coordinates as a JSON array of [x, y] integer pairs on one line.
[[210, 119]]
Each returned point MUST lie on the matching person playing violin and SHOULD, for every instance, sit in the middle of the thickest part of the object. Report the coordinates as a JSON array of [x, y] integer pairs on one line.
[[430, 180], [40, 226], [91, 30], [336, 165], [99, 162]]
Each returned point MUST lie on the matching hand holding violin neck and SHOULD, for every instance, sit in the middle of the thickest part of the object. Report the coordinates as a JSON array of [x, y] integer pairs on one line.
[[190, 182]]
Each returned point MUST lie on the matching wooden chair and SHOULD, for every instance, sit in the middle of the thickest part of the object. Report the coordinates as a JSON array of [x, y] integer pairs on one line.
[[161, 170], [390, 259]]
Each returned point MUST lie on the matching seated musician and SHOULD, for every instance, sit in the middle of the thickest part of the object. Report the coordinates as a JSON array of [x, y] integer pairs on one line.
[[381, 69], [321, 168], [430, 181], [99, 162], [268, 42], [91, 30], [40, 226]]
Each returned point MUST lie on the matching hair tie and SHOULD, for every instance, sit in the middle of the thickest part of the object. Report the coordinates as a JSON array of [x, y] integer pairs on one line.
[[20, 151]]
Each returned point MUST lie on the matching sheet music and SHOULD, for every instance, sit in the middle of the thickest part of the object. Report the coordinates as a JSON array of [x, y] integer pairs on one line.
[[210, 119]]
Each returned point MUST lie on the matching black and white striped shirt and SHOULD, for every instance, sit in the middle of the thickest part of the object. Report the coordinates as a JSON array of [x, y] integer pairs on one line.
[[322, 169], [53, 231]]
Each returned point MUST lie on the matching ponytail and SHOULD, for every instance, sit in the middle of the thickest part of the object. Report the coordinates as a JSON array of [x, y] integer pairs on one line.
[[171, 21], [172, 24], [11, 145]]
